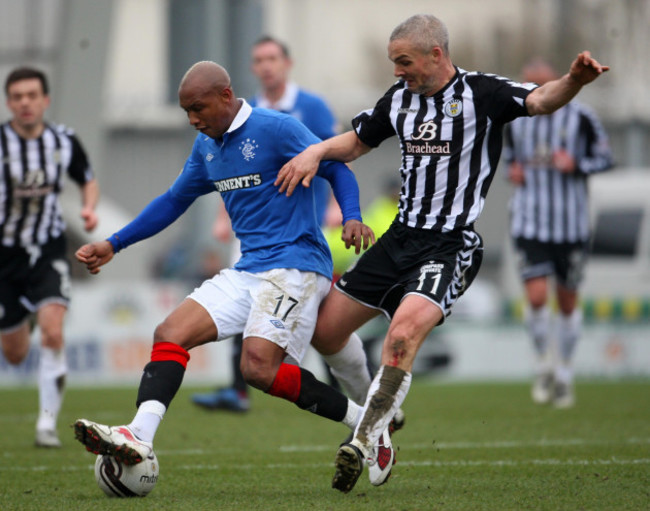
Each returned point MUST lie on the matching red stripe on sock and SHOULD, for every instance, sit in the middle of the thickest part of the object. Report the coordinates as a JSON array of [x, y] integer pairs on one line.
[[169, 351], [287, 383]]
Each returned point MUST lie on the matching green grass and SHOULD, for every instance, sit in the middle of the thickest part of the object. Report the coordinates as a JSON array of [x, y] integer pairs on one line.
[[464, 447]]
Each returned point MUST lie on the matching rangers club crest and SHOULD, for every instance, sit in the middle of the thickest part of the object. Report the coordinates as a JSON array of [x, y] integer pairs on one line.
[[248, 149]]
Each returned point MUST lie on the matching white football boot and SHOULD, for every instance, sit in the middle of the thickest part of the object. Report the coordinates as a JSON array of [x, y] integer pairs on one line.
[[116, 441], [380, 459], [542, 389], [47, 438]]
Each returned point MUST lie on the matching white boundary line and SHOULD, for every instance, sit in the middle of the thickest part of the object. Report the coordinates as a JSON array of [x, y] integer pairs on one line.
[[506, 444], [425, 463]]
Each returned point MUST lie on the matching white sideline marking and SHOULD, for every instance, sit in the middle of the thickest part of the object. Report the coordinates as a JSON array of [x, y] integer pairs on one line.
[[302, 466], [506, 444]]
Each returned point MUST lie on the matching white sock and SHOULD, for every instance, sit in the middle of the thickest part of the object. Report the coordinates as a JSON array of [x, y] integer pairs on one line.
[[538, 323], [350, 367], [389, 388], [51, 383], [353, 415], [147, 419], [564, 374], [569, 328]]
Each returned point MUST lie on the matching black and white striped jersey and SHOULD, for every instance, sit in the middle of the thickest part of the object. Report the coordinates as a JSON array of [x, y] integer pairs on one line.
[[32, 176], [450, 144], [552, 206]]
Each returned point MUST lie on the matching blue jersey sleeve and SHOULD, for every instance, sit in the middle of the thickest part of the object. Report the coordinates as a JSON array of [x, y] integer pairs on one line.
[[161, 212], [158, 214], [345, 188]]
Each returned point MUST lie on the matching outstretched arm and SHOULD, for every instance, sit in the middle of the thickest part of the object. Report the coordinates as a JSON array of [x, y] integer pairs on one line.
[[557, 93], [158, 214], [303, 167]]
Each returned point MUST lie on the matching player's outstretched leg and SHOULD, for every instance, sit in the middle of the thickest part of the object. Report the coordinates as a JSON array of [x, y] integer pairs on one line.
[[371, 443], [116, 441]]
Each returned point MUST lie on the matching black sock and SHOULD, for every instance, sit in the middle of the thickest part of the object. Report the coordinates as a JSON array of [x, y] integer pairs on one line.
[[160, 381], [320, 398]]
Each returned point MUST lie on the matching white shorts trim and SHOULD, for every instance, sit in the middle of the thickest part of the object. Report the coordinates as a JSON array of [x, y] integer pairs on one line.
[[279, 305]]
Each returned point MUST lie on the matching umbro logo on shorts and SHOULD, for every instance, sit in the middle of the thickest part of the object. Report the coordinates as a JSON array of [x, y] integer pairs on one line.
[[277, 323]]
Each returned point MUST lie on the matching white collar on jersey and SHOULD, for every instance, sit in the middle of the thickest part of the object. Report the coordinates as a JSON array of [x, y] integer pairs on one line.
[[285, 103], [241, 117]]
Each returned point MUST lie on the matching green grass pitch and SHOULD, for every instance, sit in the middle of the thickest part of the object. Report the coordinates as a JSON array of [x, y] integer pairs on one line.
[[465, 447]]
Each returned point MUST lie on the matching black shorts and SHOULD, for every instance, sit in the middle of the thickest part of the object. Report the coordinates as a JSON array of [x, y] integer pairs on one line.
[[437, 265], [30, 278], [564, 261]]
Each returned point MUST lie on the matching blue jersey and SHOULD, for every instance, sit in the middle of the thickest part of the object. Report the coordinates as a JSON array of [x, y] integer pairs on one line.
[[275, 231], [314, 113]]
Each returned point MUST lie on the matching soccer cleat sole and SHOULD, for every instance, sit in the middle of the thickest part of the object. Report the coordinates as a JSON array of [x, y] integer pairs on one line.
[[349, 466], [89, 437]]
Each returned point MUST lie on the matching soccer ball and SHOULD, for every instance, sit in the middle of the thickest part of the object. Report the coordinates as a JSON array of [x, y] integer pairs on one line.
[[119, 480]]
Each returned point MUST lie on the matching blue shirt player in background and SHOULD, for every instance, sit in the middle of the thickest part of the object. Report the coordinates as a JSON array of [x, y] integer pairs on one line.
[[271, 63], [273, 292]]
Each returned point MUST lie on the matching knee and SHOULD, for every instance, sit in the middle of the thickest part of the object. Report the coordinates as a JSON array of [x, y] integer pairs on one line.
[[257, 373], [52, 338], [400, 334], [325, 344], [401, 344], [15, 345], [15, 354], [166, 332]]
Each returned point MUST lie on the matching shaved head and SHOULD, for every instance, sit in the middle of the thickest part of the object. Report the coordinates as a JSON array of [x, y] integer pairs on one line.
[[208, 99], [206, 74]]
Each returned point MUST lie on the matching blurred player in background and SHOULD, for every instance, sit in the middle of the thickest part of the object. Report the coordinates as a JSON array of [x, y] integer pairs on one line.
[[449, 122], [271, 64], [550, 158], [272, 294], [34, 272]]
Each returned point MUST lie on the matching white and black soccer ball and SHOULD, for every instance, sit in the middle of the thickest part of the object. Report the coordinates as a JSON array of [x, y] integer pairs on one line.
[[119, 480]]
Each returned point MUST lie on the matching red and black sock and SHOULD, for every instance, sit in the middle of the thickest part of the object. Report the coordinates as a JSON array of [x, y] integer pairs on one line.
[[301, 387], [162, 377]]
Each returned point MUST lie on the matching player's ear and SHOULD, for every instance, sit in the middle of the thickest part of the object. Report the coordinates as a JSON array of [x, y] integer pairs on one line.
[[227, 94], [436, 53]]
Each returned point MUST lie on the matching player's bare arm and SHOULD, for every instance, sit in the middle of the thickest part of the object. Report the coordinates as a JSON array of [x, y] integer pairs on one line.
[[94, 255], [303, 167], [357, 234], [89, 200], [557, 93]]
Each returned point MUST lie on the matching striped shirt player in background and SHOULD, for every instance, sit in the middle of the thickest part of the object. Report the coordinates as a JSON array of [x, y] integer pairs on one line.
[[550, 158], [271, 64], [449, 122], [34, 272]]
